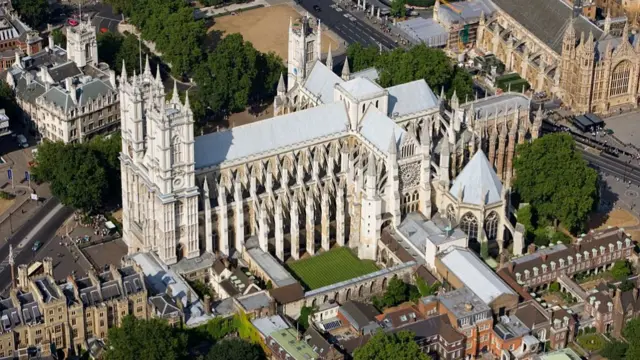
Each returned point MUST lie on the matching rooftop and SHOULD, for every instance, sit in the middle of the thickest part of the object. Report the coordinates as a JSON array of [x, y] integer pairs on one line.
[[276, 272], [475, 274], [500, 105], [362, 88], [463, 302], [411, 98], [321, 82], [547, 19], [477, 183], [418, 230], [298, 349], [268, 325]]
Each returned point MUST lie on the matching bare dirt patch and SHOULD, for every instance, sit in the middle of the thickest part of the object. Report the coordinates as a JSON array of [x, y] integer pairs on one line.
[[266, 28], [616, 217], [5, 204]]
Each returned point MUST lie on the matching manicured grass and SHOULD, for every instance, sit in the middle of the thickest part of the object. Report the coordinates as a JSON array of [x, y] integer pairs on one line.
[[328, 268], [591, 342]]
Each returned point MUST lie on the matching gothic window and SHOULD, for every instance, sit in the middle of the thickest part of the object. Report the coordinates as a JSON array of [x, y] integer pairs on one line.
[[491, 225], [310, 51], [176, 151], [469, 224], [87, 50], [620, 79], [451, 214]]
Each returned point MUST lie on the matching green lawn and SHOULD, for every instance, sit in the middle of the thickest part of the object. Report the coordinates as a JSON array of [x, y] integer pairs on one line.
[[591, 342], [328, 268]]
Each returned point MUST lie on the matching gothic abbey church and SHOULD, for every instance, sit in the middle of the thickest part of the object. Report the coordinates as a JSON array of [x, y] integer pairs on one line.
[[341, 159]]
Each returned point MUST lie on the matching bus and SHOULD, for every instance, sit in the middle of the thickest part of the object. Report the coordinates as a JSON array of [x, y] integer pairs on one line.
[[33, 268]]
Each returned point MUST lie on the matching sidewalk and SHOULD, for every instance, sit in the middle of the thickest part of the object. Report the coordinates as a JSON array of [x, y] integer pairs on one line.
[[212, 10]]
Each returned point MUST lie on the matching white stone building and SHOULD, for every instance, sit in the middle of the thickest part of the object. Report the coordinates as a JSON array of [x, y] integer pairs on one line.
[[342, 158]]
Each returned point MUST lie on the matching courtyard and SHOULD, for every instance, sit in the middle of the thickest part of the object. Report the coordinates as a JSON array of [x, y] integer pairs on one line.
[[266, 28], [333, 266]]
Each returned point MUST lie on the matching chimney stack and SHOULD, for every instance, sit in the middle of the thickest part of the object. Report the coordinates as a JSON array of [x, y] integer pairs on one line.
[[23, 277]]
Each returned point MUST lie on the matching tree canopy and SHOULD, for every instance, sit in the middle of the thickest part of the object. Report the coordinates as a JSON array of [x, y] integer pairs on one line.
[[631, 333], [621, 270], [615, 350], [59, 38], [114, 48], [236, 349], [552, 176], [83, 176], [419, 62], [150, 339], [237, 75], [396, 293], [398, 8], [390, 346], [34, 12]]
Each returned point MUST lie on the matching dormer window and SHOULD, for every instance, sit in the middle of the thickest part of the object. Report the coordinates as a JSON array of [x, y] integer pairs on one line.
[[627, 242], [526, 274], [611, 248], [544, 268], [518, 276], [570, 260], [586, 255], [595, 252], [578, 257], [619, 245], [610, 306], [553, 266], [561, 263], [601, 250], [535, 271]]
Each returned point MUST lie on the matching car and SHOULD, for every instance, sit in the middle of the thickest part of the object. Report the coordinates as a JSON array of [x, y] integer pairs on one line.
[[317, 8], [22, 141], [36, 246], [104, 30], [73, 22]]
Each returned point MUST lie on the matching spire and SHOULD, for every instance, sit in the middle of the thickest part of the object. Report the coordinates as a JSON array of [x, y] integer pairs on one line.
[[625, 31], [158, 77], [205, 187], [187, 104], [281, 88], [425, 137], [443, 97], [607, 21], [393, 144], [175, 97], [329, 61], [454, 100], [123, 75], [147, 67], [346, 73]]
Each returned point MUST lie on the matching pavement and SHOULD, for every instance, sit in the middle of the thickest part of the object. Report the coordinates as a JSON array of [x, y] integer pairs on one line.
[[41, 227], [625, 128], [352, 30]]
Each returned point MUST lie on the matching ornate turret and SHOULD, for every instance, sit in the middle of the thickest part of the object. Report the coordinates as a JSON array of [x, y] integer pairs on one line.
[[329, 61]]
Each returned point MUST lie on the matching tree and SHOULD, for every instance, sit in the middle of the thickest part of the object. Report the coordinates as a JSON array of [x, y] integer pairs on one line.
[[398, 8], [305, 313], [621, 270], [390, 346], [615, 350], [59, 38], [419, 62], [150, 339], [424, 288], [554, 287], [527, 217], [85, 176], [8, 101], [33, 12], [236, 349], [631, 333], [109, 44], [626, 285], [552, 176]]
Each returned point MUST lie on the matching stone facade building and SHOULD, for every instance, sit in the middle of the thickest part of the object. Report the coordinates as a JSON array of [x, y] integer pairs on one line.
[[590, 69], [66, 95], [41, 314]]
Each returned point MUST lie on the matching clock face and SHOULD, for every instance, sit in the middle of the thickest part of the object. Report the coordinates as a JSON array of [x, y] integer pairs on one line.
[[177, 182]]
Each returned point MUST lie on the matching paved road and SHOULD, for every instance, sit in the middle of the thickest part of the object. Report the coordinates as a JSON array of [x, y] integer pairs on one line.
[[351, 31], [22, 241]]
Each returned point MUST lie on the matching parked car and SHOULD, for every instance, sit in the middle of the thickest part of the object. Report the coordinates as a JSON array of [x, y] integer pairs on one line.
[[317, 8], [73, 22]]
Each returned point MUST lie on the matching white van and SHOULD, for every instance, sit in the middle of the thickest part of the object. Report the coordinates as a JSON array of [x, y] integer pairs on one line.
[[22, 141]]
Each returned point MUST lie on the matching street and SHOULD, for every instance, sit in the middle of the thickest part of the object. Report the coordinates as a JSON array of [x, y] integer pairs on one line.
[[356, 31], [42, 228]]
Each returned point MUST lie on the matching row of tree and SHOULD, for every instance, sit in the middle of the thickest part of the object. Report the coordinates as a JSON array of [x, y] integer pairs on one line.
[[34, 12], [170, 24], [419, 62], [556, 181], [154, 339], [84, 176]]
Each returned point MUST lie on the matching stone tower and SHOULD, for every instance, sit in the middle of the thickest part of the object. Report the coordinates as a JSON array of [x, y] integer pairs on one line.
[[159, 194], [82, 47], [305, 48]]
